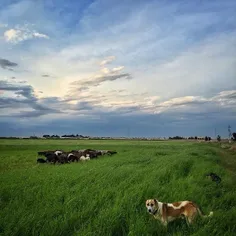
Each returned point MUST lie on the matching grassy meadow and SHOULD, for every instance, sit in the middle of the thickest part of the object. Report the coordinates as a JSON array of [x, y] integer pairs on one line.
[[106, 196]]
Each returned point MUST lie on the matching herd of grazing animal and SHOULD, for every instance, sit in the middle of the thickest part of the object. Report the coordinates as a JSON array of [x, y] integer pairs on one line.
[[62, 157]]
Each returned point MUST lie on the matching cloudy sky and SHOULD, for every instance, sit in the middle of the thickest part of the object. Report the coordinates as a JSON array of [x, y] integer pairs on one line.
[[117, 68]]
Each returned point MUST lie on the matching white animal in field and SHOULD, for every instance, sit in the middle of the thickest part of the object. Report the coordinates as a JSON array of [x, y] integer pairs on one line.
[[83, 158]]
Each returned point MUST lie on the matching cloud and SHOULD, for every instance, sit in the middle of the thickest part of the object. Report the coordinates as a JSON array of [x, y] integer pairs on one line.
[[231, 94], [22, 33], [107, 60], [98, 80], [38, 35], [45, 75], [6, 64], [187, 100], [116, 69], [12, 34], [91, 109], [24, 96]]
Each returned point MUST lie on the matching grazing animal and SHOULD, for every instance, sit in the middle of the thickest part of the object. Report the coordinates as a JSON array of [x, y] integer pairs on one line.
[[72, 157], [41, 160], [214, 177], [52, 158], [62, 158], [82, 158], [167, 212], [58, 153]]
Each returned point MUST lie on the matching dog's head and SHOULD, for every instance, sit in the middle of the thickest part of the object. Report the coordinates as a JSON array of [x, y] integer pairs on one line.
[[152, 205]]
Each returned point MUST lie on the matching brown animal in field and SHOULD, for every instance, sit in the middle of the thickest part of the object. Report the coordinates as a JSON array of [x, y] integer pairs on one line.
[[167, 212]]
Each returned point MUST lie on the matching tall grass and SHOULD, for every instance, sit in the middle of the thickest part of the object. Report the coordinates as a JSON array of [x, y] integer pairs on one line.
[[106, 196]]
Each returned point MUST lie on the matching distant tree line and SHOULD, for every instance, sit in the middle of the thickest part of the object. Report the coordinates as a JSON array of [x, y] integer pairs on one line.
[[65, 136], [79, 136], [50, 136], [177, 137]]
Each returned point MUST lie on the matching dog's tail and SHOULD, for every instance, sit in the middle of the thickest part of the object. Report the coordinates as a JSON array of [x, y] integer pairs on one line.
[[202, 215]]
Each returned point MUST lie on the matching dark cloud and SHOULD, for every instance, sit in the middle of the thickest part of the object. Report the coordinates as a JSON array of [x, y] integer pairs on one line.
[[84, 85], [36, 113], [24, 90], [6, 64], [12, 103], [45, 75], [230, 96], [107, 78], [29, 100]]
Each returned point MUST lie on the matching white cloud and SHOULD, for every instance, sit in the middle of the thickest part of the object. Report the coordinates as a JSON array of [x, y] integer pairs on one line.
[[107, 60], [12, 34], [22, 33], [38, 35], [116, 69], [182, 101], [105, 70]]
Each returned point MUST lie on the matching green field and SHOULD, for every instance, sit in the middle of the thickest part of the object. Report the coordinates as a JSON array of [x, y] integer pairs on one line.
[[106, 196]]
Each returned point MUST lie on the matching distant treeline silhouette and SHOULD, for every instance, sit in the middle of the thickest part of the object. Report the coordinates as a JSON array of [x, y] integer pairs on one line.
[[79, 136]]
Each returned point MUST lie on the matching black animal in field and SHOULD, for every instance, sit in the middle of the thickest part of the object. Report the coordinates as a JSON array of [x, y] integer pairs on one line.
[[214, 177], [41, 160]]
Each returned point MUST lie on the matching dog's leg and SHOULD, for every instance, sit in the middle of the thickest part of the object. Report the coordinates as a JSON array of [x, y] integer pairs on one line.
[[188, 220], [164, 222]]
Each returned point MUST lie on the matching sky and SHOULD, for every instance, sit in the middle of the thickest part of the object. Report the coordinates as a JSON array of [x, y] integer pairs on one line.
[[139, 68]]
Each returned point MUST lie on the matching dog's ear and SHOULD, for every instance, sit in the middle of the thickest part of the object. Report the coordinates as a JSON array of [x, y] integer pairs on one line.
[[155, 200]]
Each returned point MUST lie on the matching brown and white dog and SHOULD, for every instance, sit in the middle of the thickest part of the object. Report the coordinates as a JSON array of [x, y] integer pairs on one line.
[[167, 212]]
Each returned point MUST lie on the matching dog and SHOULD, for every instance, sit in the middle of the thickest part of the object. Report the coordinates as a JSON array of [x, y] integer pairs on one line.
[[167, 212], [214, 177]]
